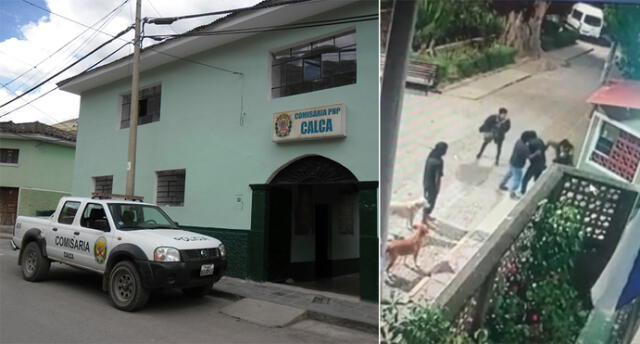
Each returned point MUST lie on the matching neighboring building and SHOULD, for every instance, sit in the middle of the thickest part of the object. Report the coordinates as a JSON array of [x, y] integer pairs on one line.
[[269, 140], [612, 144], [36, 168], [68, 125]]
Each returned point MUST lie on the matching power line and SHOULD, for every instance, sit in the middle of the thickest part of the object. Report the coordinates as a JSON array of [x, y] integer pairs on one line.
[[66, 68], [261, 29], [169, 20], [57, 87], [67, 43]]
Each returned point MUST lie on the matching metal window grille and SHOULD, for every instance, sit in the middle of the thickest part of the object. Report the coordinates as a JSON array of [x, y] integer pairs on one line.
[[324, 63], [9, 156], [103, 184], [149, 107], [170, 189]]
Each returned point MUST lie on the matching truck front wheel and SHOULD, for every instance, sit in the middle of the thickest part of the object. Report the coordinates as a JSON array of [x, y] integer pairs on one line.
[[35, 266], [125, 287]]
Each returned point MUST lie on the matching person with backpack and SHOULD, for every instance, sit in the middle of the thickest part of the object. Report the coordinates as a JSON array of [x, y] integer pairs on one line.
[[494, 129]]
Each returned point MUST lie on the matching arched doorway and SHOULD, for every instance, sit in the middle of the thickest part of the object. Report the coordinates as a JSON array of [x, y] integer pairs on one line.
[[313, 232]]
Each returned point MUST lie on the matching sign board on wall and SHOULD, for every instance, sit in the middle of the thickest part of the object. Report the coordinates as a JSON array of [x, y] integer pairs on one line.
[[320, 122]]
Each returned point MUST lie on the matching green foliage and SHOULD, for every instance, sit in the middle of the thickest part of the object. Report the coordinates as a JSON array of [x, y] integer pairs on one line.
[[422, 324], [534, 300], [445, 21], [624, 26], [460, 64]]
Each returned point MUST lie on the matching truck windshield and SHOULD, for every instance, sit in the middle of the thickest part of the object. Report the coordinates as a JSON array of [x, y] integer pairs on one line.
[[129, 216], [593, 21]]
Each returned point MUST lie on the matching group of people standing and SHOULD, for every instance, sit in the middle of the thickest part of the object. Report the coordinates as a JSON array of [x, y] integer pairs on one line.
[[529, 147]]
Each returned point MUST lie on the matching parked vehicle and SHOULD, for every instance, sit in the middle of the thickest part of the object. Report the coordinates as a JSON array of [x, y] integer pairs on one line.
[[135, 246], [586, 19]]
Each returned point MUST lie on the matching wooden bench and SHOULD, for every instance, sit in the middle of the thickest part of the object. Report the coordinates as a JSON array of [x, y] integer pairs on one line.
[[419, 73], [422, 73]]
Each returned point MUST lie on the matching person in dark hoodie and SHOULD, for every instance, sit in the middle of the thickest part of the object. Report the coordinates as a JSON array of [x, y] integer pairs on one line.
[[433, 172], [494, 129], [516, 164], [564, 152], [537, 161]]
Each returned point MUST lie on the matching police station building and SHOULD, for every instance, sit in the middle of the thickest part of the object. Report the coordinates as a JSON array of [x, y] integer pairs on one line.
[[265, 139]]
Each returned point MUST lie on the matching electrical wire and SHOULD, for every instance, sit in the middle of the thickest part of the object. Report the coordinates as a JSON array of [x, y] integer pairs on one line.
[[302, 25], [67, 43], [165, 20], [68, 67], [85, 43], [57, 87]]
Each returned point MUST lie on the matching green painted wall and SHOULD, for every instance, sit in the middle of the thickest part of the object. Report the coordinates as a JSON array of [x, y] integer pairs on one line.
[[31, 201], [200, 127], [40, 165], [236, 243]]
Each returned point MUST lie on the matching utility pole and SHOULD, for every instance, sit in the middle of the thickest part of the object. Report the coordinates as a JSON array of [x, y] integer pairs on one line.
[[133, 117]]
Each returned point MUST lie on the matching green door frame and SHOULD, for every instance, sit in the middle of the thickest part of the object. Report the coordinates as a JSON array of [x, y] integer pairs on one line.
[[369, 244]]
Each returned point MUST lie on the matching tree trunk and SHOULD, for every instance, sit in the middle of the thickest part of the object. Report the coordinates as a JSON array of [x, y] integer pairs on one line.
[[523, 29]]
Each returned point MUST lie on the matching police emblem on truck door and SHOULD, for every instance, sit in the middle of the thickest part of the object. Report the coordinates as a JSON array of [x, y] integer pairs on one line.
[[100, 250]]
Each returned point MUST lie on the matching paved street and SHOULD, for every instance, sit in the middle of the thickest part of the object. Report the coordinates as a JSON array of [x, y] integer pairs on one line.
[[470, 206], [69, 307]]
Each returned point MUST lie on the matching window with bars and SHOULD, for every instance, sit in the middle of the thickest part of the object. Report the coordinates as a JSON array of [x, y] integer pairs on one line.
[[320, 64], [148, 105], [9, 156], [170, 188], [103, 184]]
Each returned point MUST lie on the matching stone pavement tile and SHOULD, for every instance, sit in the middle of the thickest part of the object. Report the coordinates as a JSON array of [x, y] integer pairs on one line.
[[484, 86], [263, 313]]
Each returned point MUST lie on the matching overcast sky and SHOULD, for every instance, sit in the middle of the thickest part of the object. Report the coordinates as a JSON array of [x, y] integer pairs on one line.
[[30, 36]]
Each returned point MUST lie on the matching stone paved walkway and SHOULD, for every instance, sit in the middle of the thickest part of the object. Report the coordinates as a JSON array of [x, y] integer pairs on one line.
[[552, 103]]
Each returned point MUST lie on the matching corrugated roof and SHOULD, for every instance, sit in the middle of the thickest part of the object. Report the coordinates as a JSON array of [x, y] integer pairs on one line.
[[36, 128], [619, 93]]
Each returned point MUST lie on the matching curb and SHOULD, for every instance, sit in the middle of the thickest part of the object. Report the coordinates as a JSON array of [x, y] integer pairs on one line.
[[578, 55]]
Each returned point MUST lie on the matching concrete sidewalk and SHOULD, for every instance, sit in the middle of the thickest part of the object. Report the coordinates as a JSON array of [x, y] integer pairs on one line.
[[328, 307]]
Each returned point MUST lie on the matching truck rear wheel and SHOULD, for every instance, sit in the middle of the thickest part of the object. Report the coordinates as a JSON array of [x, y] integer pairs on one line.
[[125, 287], [35, 266]]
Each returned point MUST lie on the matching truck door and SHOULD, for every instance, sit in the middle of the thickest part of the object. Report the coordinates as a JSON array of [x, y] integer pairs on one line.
[[94, 230], [60, 234]]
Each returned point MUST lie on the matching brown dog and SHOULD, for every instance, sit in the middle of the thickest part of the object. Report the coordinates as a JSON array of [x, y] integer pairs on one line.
[[407, 246]]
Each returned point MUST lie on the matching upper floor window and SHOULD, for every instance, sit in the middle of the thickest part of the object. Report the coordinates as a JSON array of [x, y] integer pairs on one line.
[[148, 105], [9, 156], [323, 63]]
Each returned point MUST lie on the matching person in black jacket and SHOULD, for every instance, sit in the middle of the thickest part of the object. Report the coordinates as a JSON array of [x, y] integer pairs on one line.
[[537, 161], [513, 179], [564, 152], [433, 172], [494, 129]]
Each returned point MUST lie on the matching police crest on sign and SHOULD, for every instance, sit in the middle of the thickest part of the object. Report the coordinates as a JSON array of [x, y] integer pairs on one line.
[[309, 124]]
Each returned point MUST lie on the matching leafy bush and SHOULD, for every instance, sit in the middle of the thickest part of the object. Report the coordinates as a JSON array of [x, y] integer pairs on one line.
[[555, 36], [460, 64]]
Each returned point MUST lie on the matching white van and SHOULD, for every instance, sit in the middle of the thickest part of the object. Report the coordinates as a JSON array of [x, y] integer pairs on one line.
[[588, 20]]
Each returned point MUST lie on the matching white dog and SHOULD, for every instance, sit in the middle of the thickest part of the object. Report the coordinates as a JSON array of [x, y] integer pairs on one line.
[[407, 210]]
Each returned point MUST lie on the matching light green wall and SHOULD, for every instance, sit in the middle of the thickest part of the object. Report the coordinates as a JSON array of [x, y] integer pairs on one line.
[[32, 201], [40, 165], [200, 126]]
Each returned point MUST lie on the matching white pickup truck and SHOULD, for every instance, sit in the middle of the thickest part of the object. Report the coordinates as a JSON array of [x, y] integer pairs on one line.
[[134, 245]]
